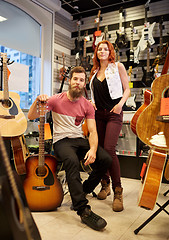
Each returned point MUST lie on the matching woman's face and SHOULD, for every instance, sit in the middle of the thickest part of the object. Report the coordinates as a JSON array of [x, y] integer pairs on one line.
[[103, 51]]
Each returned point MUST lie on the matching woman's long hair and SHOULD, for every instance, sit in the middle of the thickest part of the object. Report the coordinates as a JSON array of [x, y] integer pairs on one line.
[[96, 61]]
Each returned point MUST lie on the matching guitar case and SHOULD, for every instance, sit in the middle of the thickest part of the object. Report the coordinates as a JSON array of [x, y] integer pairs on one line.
[[11, 227]]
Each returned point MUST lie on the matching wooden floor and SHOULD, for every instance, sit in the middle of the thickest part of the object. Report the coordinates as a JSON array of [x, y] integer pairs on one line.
[[65, 224]]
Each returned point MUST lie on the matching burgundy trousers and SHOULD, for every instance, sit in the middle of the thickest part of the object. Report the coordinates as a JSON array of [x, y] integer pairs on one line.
[[109, 126]]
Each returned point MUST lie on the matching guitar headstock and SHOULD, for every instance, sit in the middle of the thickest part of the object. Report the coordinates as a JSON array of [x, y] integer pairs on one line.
[[42, 108], [4, 57], [130, 71]]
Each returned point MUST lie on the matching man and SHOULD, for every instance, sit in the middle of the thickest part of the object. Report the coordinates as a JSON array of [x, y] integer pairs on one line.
[[69, 109]]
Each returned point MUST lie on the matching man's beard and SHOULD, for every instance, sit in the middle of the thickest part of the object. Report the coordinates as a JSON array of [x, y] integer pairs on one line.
[[75, 93]]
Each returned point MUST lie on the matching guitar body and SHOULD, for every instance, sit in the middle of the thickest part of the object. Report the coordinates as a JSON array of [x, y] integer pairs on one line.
[[121, 40], [10, 215], [148, 77], [151, 131], [152, 180], [147, 100], [43, 191], [12, 120], [20, 153], [85, 62]]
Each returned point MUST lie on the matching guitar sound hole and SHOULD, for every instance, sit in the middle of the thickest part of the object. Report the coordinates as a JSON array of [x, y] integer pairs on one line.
[[6, 103], [41, 171], [166, 94]]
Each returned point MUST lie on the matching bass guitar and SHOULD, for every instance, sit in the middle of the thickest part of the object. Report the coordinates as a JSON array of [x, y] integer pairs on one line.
[[42, 188], [16, 219], [12, 120], [121, 40]]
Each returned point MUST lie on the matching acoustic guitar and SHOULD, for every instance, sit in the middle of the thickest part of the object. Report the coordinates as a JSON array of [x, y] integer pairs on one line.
[[12, 120], [20, 153], [85, 60], [63, 69], [15, 216], [152, 179], [42, 188]]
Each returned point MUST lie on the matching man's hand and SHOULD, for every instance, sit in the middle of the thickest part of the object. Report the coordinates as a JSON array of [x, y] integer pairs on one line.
[[90, 157]]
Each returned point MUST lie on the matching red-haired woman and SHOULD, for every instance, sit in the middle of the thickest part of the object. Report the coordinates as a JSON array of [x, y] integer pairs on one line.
[[109, 91]]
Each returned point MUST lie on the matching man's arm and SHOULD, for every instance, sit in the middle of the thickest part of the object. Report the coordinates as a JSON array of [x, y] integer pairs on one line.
[[33, 114], [93, 142]]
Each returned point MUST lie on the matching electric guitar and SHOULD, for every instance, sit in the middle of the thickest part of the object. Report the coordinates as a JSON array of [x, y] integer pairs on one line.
[[146, 35], [63, 69], [16, 219], [42, 188], [78, 44], [12, 120], [131, 99], [98, 37], [121, 40], [162, 48], [148, 75], [85, 60]]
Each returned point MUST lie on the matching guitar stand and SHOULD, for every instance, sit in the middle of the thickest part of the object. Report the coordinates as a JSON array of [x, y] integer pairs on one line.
[[161, 208]]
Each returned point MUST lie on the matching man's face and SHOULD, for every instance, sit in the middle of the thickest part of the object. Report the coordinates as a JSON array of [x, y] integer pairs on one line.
[[77, 84]]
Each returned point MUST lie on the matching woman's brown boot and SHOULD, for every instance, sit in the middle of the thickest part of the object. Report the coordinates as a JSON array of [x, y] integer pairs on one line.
[[118, 200], [105, 190]]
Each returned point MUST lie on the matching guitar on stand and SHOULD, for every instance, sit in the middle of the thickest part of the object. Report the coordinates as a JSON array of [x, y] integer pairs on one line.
[[154, 132], [148, 75], [146, 35], [42, 188], [121, 40], [85, 60], [12, 120], [17, 216], [131, 99], [98, 37]]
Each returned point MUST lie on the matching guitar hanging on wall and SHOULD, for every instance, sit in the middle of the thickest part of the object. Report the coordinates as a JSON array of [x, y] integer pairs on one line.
[[121, 40], [12, 120], [162, 48], [63, 69], [78, 44], [148, 75], [85, 60], [131, 99], [98, 37], [146, 36]]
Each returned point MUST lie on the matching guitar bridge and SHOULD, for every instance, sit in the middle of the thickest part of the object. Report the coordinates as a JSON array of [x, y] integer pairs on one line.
[[41, 188], [7, 116], [164, 118]]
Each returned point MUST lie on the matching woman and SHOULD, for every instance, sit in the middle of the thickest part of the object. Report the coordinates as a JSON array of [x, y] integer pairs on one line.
[[109, 91]]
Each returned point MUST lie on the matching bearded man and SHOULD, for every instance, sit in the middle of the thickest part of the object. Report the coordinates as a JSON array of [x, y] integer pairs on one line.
[[69, 109]]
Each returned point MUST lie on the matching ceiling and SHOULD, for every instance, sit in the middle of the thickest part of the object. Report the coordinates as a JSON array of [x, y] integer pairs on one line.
[[85, 8]]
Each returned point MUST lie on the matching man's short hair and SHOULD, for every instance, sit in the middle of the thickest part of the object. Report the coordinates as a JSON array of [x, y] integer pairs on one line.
[[78, 69]]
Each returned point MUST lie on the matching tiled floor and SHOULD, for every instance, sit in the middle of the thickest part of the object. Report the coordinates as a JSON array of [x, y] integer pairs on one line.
[[66, 224]]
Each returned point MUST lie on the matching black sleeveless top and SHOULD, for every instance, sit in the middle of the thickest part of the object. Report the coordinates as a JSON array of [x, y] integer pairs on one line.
[[102, 96]]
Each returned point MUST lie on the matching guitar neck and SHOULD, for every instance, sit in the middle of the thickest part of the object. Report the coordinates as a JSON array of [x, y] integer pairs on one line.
[[148, 59], [5, 79], [84, 49], [41, 141]]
